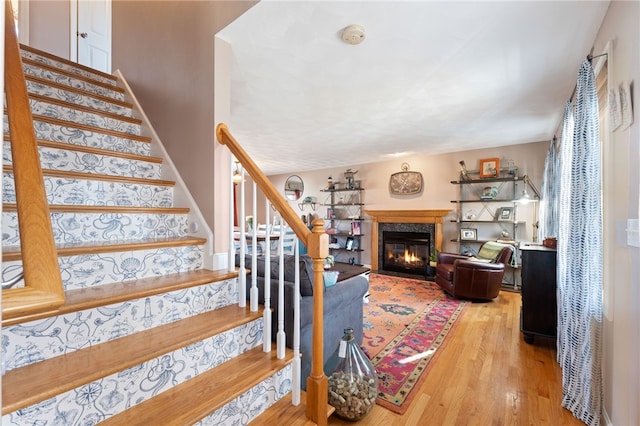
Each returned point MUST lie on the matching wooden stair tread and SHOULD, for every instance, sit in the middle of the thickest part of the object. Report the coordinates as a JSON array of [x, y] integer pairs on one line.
[[91, 150], [83, 108], [17, 302], [64, 87], [76, 76], [97, 176], [95, 247], [66, 61], [118, 292], [194, 399], [284, 413], [38, 382], [77, 208]]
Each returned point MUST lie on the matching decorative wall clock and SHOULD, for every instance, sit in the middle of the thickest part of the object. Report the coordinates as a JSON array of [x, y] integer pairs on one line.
[[405, 182]]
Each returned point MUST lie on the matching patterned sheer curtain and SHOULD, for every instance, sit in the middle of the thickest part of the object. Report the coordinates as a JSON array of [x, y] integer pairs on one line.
[[550, 191], [580, 258]]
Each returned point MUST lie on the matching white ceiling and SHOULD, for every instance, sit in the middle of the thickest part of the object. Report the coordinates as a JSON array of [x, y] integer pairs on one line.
[[431, 77]]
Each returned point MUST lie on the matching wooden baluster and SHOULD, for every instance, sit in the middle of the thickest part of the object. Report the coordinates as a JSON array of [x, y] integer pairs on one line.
[[280, 335], [253, 295], [266, 314]]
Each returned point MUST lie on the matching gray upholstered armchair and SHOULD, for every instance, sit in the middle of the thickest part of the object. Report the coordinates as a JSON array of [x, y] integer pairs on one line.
[[474, 277]]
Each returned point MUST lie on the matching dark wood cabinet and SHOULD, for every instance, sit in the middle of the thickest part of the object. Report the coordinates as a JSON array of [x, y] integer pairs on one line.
[[539, 306]]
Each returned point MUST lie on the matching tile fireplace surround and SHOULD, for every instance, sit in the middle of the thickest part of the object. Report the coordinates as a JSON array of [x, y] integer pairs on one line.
[[404, 216]]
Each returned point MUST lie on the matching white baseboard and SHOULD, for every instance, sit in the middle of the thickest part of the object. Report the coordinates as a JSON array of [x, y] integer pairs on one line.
[[605, 417], [220, 261]]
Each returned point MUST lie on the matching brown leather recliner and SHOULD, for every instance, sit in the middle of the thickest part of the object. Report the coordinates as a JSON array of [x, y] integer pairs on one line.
[[467, 278]]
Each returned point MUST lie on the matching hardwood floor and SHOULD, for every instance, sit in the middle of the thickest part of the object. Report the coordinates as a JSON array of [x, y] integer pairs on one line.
[[486, 375]]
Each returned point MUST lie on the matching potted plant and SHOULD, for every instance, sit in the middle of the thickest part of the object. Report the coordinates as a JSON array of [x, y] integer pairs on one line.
[[433, 261], [329, 261]]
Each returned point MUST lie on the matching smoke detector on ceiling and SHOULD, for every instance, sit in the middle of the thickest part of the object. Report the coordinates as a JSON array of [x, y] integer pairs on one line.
[[353, 34]]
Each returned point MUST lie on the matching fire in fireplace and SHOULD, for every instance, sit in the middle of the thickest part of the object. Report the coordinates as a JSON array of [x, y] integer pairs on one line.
[[406, 252]]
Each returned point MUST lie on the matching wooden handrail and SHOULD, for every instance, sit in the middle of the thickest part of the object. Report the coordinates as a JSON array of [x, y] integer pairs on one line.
[[317, 243], [265, 185], [43, 284]]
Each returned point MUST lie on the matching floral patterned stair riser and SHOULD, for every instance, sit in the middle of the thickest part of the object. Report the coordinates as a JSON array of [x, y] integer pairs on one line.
[[78, 161], [73, 82], [47, 109], [57, 133], [96, 269], [77, 98], [80, 192], [87, 227], [64, 66]]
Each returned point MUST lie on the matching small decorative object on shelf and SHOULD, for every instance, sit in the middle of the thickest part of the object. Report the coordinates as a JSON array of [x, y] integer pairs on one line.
[[468, 234], [353, 382], [349, 243], [505, 213], [509, 165], [464, 175], [330, 183], [308, 201], [489, 167], [355, 228], [348, 176], [489, 193]]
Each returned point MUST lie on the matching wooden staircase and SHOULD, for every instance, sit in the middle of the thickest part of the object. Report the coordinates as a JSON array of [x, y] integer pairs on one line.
[[146, 334]]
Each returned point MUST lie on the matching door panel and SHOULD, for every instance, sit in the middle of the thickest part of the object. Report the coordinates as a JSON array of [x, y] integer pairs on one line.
[[94, 34]]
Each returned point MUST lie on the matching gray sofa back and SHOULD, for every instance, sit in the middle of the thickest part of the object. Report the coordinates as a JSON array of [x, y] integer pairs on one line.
[[306, 270]]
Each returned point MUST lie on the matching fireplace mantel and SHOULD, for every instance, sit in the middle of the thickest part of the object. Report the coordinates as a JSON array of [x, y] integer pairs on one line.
[[404, 216]]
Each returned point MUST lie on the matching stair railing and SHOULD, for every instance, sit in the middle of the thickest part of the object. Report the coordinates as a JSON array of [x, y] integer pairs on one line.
[[317, 243], [43, 289]]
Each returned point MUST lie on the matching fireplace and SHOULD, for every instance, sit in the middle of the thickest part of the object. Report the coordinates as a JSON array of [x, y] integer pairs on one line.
[[423, 221], [406, 252]]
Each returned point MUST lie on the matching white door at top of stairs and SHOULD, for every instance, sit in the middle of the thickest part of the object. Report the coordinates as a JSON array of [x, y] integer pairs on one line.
[[91, 33]]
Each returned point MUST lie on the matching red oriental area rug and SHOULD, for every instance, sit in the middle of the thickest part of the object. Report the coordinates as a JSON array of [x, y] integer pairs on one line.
[[406, 322]]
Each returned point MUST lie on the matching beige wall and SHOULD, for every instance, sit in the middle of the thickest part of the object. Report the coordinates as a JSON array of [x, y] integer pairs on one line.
[[437, 171], [165, 50], [621, 368], [49, 22]]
